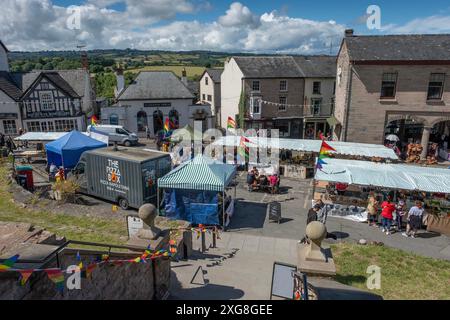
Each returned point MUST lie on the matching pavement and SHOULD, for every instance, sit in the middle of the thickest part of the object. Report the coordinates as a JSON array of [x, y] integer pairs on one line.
[[295, 197]]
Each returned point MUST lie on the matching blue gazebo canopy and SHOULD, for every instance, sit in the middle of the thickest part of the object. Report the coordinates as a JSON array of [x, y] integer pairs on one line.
[[66, 151]]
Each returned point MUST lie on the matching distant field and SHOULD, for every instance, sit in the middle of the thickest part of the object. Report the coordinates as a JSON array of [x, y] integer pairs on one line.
[[191, 71]]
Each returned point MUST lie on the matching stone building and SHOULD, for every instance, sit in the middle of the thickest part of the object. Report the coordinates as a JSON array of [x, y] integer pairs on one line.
[[278, 93], [393, 84], [150, 99]]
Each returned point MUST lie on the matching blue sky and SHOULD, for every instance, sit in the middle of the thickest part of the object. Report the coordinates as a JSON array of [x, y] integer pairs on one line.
[[286, 26]]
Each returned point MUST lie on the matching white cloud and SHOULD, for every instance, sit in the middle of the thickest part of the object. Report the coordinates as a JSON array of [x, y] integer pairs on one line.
[[238, 16], [432, 24], [41, 25]]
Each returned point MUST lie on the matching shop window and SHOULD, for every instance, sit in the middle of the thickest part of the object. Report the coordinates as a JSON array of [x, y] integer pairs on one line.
[[142, 122]]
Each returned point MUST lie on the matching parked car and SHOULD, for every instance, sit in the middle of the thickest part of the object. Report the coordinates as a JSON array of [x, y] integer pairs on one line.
[[117, 134]]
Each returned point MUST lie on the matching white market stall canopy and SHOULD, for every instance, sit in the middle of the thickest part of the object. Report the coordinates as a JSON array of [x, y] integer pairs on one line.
[[52, 136], [345, 148], [395, 176], [40, 136]]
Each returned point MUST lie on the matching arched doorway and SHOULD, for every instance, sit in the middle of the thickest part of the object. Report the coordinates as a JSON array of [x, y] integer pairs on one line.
[[142, 121], [114, 119], [440, 137], [158, 123], [174, 119]]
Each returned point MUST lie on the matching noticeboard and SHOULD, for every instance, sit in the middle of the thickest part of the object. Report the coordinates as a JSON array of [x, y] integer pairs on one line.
[[134, 224], [282, 280]]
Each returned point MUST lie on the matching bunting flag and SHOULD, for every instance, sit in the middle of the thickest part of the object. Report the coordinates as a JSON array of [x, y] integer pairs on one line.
[[24, 276], [57, 276], [89, 269], [231, 124], [8, 263], [78, 257], [94, 120], [173, 247]]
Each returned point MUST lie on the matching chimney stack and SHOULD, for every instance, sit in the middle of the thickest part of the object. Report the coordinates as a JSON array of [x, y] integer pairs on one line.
[[349, 32], [120, 81], [184, 77], [84, 60]]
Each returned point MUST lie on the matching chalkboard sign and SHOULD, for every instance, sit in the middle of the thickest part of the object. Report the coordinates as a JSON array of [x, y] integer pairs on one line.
[[282, 281], [275, 211]]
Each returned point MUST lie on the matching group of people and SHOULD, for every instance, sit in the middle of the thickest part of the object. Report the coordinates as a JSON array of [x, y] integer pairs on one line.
[[256, 181], [395, 212]]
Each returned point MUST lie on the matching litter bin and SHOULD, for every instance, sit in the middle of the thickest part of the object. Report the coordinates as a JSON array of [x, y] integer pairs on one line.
[[26, 171]]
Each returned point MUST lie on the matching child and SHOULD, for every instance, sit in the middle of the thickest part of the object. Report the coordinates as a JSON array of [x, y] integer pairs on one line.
[[400, 211], [388, 209]]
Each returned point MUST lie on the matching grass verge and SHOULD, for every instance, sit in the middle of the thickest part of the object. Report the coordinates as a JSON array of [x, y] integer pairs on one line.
[[404, 275]]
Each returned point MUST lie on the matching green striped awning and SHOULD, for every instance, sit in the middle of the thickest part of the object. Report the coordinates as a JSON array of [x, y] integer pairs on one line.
[[200, 173]]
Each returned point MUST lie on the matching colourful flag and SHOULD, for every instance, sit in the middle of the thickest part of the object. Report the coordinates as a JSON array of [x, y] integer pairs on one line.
[[167, 125], [24, 276], [243, 149], [8, 263], [57, 277], [94, 120], [324, 153], [231, 124], [89, 269]]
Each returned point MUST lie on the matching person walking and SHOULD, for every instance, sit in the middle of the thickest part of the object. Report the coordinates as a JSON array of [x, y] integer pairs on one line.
[[387, 215], [414, 220], [400, 211], [372, 209], [147, 132]]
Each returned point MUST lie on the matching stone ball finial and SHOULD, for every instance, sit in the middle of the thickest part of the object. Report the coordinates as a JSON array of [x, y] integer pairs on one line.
[[316, 231], [147, 212]]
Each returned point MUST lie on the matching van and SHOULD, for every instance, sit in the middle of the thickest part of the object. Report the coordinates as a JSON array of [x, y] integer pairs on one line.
[[116, 134], [124, 176]]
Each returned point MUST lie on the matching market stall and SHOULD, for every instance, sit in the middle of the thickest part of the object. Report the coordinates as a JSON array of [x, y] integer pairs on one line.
[[296, 156], [428, 184], [66, 150], [196, 191]]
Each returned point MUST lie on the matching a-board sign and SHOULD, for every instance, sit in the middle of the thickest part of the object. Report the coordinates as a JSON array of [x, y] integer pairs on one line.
[[282, 280], [134, 224], [275, 211]]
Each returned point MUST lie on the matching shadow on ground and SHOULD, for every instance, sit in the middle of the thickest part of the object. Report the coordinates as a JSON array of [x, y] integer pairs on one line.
[[202, 292]]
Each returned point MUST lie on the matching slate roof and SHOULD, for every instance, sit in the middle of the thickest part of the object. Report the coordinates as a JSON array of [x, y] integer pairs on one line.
[[3, 45], [155, 85], [399, 47], [269, 67], [287, 66], [75, 79], [9, 87], [317, 66], [214, 74]]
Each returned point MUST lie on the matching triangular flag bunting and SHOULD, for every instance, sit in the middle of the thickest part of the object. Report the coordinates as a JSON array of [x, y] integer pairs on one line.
[[8, 263], [24, 276]]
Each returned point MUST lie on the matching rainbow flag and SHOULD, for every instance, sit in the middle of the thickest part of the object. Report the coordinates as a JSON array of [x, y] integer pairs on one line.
[[57, 277], [8, 263], [167, 125], [24, 276], [324, 153], [231, 124], [243, 149], [94, 120], [89, 269]]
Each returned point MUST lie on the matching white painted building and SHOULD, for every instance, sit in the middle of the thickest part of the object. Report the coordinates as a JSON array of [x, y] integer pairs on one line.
[[231, 83], [153, 97], [210, 91]]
